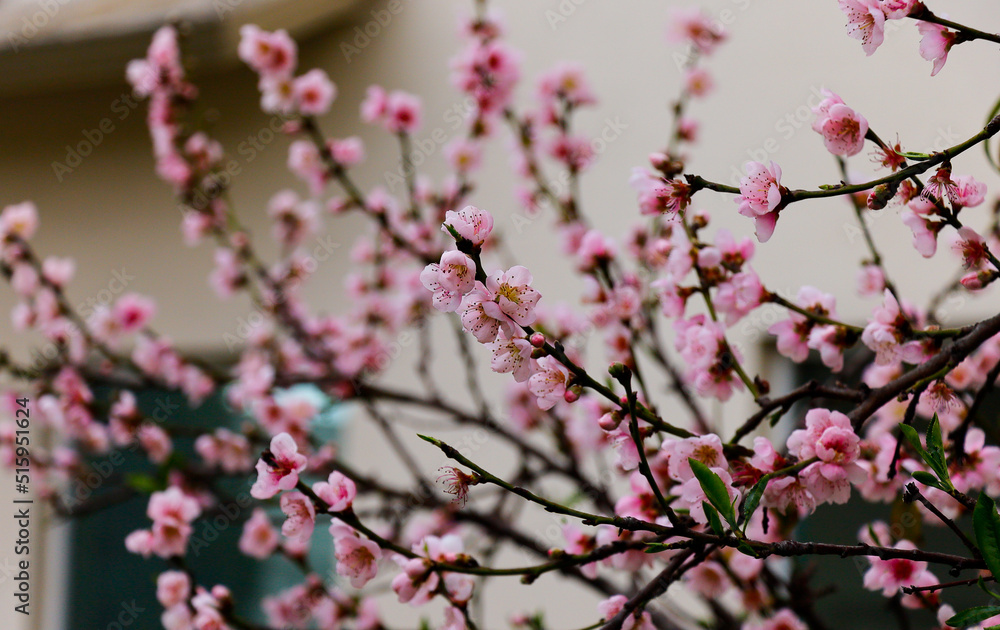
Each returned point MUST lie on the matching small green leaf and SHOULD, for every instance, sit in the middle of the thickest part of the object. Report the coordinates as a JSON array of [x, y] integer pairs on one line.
[[986, 523], [935, 461], [973, 615], [143, 483], [746, 549], [927, 479], [715, 489], [753, 500], [986, 589], [935, 449], [656, 547], [713, 519], [913, 438]]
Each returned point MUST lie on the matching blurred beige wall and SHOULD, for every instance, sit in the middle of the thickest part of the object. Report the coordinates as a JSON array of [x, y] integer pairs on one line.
[[116, 219]]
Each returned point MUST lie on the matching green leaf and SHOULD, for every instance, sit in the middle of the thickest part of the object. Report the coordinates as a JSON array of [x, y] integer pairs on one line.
[[715, 489], [713, 519], [935, 460], [746, 549], [986, 144], [913, 438], [927, 479], [986, 589], [973, 615], [753, 500], [935, 449], [143, 483], [986, 523], [655, 547]]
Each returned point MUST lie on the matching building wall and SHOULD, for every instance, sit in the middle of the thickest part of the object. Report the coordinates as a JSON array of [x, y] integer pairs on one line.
[[113, 216]]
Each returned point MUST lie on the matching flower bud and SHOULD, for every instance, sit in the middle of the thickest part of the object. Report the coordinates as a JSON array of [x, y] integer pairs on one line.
[[881, 195], [610, 421], [537, 339]]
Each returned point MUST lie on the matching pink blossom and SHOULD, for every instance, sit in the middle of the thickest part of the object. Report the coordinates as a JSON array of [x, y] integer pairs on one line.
[[347, 152], [924, 232], [935, 42], [968, 192], [20, 220], [277, 94], [172, 588], [314, 92], [132, 312], [338, 491], [891, 575], [842, 128], [658, 195], [463, 155], [267, 53], [760, 197], [301, 516], [609, 608], [971, 247], [828, 435], [698, 82], [708, 579], [706, 449], [865, 22], [476, 318], [454, 619], [305, 162], [156, 442], [871, 280], [58, 271], [225, 449], [172, 505], [374, 107], [830, 341], [567, 81], [283, 474], [511, 354], [884, 334], [691, 25], [357, 558], [549, 382], [739, 295], [784, 619], [515, 299], [471, 223], [259, 538], [402, 112]]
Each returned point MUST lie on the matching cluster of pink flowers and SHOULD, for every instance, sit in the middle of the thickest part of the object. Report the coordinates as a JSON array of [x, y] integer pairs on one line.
[[842, 128], [274, 56], [172, 512]]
